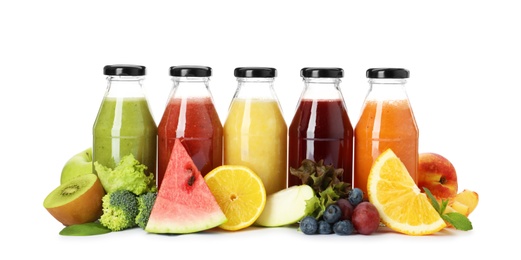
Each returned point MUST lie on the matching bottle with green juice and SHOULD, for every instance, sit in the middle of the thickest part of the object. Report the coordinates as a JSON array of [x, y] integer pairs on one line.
[[124, 124]]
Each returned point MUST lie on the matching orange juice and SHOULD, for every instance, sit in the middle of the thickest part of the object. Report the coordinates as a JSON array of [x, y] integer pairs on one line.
[[386, 121], [382, 125], [255, 135]]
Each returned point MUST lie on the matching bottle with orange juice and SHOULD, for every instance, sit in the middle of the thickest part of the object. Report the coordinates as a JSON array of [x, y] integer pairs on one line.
[[255, 132], [387, 121]]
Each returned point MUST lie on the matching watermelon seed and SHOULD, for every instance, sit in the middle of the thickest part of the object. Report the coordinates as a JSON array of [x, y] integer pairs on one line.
[[191, 180]]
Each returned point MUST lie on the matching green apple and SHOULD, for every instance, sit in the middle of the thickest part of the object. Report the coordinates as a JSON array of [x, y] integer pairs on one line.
[[77, 165], [286, 206]]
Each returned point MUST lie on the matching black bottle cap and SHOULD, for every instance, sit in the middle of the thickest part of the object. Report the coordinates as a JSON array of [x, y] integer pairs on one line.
[[387, 73], [124, 70], [321, 72], [255, 72], [190, 71]]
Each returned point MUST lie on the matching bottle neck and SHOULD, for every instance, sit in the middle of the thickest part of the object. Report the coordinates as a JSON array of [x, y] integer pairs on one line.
[[255, 88], [387, 89], [125, 86], [190, 87], [322, 88]]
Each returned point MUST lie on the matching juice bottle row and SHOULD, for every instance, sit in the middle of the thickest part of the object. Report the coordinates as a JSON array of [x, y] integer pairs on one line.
[[255, 133]]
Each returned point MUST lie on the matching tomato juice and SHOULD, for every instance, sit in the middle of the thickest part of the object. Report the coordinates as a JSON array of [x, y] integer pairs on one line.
[[196, 123]]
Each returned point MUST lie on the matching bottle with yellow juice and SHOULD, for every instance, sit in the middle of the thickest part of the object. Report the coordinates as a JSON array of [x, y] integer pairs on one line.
[[255, 132]]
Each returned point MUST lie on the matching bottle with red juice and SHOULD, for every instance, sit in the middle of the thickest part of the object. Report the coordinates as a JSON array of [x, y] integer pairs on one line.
[[321, 128], [190, 116]]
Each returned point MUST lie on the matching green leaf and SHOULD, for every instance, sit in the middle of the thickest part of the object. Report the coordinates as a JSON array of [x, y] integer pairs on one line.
[[87, 229], [444, 204], [458, 221], [434, 202]]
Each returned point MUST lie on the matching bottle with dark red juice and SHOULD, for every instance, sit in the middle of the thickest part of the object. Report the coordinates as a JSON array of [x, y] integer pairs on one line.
[[321, 128], [190, 116]]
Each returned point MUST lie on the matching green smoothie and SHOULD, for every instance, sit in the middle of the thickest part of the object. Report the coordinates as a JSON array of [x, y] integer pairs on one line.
[[124, 126]]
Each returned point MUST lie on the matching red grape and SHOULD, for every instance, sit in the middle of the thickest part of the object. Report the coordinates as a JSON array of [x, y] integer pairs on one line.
[[346, 207], [365, 218]]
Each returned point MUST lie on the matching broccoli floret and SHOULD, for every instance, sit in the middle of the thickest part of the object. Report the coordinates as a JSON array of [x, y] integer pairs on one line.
[[120, 209], [145, 203]]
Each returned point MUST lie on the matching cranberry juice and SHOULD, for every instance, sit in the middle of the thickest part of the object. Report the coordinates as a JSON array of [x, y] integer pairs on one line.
[[321, 130], [196, 123]]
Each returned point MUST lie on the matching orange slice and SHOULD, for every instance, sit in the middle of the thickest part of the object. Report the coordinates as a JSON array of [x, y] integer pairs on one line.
[[401, 204], [239, 192]]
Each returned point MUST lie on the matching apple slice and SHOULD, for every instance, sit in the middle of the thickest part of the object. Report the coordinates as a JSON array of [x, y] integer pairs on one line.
[[286, 206]]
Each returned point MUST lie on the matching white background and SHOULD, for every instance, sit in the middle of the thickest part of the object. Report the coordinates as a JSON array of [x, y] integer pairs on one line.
[[464, 62]]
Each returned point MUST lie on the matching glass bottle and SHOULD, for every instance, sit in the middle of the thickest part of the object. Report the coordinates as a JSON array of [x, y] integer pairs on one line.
[[190, 116], [321, 128], [386, 121], [255, 133], [124, 124]]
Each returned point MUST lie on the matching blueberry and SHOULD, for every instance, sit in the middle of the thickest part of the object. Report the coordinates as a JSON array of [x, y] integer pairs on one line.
[[332, 213], [343, 228], [324, 227], [308, 225], [356, 195]]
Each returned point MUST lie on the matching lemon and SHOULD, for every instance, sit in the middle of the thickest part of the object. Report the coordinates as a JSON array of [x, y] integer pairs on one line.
[[401, 204], [239, 192]]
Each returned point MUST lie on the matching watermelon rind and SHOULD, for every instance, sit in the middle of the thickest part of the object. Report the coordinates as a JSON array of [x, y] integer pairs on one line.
[[186, 227]]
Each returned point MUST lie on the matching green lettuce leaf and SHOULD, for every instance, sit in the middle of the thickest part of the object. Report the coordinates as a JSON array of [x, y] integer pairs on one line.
[[129, 175]]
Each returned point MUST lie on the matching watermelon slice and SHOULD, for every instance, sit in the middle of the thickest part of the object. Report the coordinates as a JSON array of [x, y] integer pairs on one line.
[[184, 203]]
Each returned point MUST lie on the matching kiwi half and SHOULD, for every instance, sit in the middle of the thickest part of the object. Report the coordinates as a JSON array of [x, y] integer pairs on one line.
[[77, 201]]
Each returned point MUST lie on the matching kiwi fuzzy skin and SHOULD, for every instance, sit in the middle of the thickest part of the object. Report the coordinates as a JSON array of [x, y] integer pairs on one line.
[[84, 209]]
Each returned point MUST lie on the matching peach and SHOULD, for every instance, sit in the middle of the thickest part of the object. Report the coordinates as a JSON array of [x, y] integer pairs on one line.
[[468, 198], [464, 203], [458, 207], [437, 174]]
